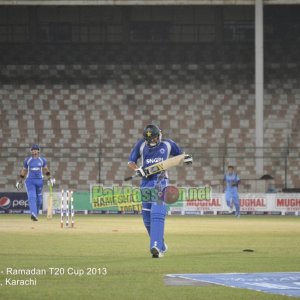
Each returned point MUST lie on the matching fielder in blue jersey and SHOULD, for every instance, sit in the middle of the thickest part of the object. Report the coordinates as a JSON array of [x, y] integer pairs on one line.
[[232, 181], [150, 150], [32, 172]]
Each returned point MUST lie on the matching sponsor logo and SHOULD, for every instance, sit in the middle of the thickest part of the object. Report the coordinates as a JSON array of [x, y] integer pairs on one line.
[[34, 169], [154, 160], [162, 151], [253, 202], [214, 202], [20, 203], [4, 202], [288, 202], [13, 203]]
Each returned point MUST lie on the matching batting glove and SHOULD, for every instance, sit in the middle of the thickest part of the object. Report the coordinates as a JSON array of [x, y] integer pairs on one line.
[[188, 159], [140, 172], [51, 181], [19, 185]]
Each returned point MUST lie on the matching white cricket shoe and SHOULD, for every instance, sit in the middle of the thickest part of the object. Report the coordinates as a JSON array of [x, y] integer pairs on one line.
[[156, 253], [33, 217]]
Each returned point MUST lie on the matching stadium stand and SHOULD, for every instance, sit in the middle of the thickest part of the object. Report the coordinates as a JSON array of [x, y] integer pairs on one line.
[[87, 104]]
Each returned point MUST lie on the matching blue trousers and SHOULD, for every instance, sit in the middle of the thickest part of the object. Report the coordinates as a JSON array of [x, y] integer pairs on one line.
[[154, 213], [34, 188], [154, 220], [232, 196]]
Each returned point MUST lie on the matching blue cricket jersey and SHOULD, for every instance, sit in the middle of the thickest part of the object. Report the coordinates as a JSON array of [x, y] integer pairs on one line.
[[152, 155], [231, 179], [34, 167]]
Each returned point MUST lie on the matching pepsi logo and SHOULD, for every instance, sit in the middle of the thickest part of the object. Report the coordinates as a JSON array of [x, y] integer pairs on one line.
[[4, 202]]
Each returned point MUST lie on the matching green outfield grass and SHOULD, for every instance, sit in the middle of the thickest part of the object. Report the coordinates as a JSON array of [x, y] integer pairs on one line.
[[119, 243]]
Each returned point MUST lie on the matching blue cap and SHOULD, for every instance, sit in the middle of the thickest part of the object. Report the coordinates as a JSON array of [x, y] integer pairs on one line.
[[35, 147]]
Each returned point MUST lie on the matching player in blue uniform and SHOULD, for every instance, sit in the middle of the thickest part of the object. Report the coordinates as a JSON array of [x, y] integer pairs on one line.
[[32, 172], [232, 181], [150, 150]]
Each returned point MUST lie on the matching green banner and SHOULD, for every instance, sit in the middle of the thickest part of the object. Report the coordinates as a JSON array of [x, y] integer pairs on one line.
[[120, 198], [81, 201], [129, 198]]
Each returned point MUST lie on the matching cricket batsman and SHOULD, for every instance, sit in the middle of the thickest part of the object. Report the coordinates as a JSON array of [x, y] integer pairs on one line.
[[32, 172], [232, 181], [149, 150]]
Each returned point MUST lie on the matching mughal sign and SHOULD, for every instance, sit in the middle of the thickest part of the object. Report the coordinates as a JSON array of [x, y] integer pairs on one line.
[[250, 202]]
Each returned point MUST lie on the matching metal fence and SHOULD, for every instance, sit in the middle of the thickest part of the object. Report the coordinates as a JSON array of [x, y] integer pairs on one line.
[[78, 167]]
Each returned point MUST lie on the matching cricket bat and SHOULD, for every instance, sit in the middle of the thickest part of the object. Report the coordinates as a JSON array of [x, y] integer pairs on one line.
[[161, 166], [50, 203]]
